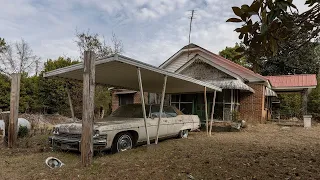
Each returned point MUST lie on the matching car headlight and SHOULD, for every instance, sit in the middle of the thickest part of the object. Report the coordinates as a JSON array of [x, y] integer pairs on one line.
[[96, 133], [55, 130]]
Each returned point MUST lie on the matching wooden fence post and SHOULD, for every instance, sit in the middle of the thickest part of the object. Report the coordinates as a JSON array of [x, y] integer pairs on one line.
[[88, 108], [14, 109]]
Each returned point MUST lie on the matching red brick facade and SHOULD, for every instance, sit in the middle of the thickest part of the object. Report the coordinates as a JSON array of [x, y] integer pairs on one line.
[[252, 104], [136, 99]]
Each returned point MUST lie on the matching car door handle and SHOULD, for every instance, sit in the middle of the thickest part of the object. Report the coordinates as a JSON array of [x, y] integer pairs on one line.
[[165, 120]]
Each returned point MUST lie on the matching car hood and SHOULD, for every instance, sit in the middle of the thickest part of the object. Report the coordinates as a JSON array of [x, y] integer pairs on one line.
[[109, 123]]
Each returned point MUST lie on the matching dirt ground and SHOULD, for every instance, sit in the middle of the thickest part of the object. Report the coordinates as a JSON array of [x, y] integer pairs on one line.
[[258, 152]]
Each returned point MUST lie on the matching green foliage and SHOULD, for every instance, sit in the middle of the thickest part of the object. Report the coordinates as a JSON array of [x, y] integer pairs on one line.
[[23, 131], [305, 60], [48, 95], [2, 45], [290, 105], [314, 102], [268, 24], [232, 54], [5, 87], [102, 99], [52, 92]]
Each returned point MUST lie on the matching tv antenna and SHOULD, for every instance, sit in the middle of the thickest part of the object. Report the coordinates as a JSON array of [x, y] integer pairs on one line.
[[191, 19]]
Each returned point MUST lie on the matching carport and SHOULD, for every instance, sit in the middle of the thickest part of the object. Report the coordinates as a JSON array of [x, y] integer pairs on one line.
[[123, 72]]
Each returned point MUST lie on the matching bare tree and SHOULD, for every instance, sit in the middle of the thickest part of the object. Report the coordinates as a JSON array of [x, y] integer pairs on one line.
[[17, 58], [87, 41], [117, 44]]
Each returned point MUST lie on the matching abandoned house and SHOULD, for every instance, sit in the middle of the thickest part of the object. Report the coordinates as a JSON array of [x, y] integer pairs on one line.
[[246, 95]]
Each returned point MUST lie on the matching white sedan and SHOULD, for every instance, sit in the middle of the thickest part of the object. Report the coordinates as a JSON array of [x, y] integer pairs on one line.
[[124, 128]]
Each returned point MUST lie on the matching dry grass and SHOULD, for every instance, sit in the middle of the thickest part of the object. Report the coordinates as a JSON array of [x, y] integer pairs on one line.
[[259, 152]]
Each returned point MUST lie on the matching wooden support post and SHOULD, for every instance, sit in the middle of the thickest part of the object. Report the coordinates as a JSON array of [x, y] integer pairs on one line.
[[212, 111], [143, 105], [70, 102], [14, 109], [161, 106], [88, 108], [206, 109], [304, 103]]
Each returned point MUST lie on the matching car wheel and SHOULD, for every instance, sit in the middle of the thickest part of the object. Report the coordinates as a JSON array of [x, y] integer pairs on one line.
[[122, 142], [184, 133]]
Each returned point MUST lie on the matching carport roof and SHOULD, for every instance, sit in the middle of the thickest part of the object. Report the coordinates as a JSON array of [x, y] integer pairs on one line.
[[120, 71]]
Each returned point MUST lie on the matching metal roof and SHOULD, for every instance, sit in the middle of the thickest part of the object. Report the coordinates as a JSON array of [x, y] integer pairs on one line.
[[121, 71], [293, 81], [270, 92], [243, 72]]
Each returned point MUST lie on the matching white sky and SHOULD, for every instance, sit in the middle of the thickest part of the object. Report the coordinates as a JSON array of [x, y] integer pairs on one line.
[[151, 30]]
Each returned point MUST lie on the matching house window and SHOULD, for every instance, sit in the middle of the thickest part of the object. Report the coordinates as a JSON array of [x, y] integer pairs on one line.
[[125, 99]]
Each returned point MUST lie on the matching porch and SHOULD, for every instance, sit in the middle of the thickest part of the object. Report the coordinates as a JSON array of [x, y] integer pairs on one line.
[[226, 105]]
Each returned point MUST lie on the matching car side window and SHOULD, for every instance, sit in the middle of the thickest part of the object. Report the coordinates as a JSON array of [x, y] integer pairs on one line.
[[168, 112]]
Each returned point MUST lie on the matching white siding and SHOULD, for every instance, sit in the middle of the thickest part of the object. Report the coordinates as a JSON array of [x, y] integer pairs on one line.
[[179, 61]]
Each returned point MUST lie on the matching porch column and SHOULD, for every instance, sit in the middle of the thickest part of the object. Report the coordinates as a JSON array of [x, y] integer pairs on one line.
[[206, 109], [304, 103], [143, 105], [212, 111], [161, 106]]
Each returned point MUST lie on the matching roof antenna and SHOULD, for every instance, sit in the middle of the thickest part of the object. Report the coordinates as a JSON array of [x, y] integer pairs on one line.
[[191, 18]]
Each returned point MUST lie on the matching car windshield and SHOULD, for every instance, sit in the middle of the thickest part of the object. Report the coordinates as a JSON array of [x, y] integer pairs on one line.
[[135, 111]]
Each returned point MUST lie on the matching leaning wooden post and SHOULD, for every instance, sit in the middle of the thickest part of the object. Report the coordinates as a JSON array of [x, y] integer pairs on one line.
[[206, 109], [88, 108], [14, 109], [161, 106], [212, 111], [143, 105], [70, 103]]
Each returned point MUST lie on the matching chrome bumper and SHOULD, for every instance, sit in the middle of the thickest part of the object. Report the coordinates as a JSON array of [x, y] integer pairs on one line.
[[56, 142]]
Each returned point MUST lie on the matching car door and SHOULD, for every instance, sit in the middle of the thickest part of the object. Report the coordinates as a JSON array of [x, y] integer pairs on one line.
[[174, 121], [153, 121]]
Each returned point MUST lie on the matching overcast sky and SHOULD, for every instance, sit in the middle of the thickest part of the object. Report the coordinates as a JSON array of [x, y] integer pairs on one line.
[[151, 30]]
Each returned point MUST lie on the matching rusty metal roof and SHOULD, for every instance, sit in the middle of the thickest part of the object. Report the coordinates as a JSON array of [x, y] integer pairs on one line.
[[294, 81]]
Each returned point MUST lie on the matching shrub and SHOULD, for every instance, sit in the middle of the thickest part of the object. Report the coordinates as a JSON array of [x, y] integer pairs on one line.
[[23, 131]]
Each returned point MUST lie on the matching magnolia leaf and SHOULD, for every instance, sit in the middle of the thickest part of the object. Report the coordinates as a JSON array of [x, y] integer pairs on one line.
[[237, 11], [241, 36], [234, 20], [245, 8], [238, 30], [255, 6]]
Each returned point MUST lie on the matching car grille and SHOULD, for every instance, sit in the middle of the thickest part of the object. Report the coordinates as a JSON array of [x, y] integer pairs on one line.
[[67, 135]]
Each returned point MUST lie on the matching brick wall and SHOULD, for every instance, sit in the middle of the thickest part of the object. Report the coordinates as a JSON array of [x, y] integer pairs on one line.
[[114, 101], [136, 99], [252, 104]]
